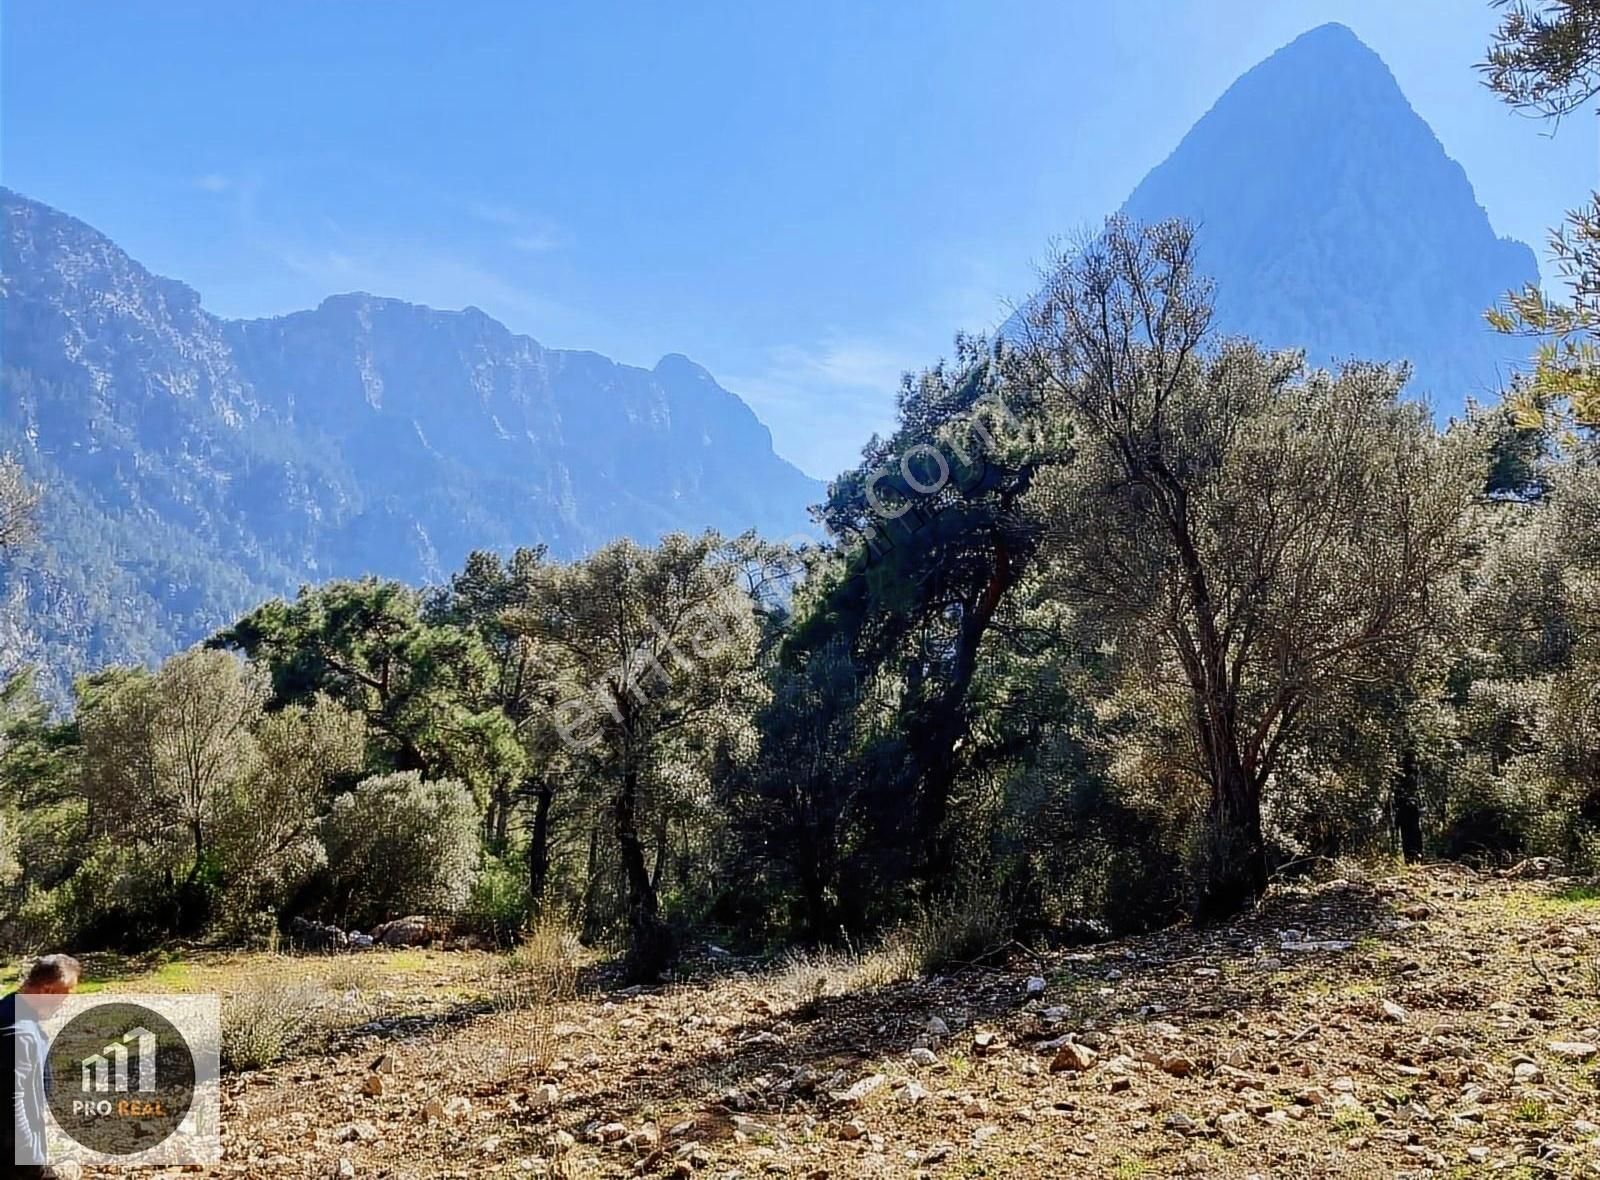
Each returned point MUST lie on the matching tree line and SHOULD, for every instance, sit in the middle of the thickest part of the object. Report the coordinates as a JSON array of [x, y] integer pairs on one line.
[[1124, 621]]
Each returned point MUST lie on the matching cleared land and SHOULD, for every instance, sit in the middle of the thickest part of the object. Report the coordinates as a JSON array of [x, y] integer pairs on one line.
[[1438, 1023]]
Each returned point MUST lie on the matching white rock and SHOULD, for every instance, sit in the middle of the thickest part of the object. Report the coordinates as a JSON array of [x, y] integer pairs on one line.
[[911, 1094], [865, 1087], [1574, 1050]]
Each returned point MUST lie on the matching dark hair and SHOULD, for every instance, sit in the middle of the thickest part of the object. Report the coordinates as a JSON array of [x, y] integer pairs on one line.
[[53, 969]]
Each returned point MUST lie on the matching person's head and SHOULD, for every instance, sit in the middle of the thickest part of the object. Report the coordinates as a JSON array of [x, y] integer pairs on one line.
[[50, 981]]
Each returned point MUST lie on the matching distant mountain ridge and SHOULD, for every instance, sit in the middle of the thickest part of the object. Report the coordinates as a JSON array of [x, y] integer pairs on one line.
[[1332, 219], [193, 465]]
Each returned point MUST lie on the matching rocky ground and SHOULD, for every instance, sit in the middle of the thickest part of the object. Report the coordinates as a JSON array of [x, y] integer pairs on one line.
[[1439, 1023]]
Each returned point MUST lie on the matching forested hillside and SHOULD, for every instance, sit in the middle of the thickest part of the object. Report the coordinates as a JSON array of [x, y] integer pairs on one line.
[[193, 466], [1124, 620]]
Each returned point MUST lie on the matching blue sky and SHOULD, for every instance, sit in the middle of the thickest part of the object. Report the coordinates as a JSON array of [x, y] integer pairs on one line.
[[806, 198]]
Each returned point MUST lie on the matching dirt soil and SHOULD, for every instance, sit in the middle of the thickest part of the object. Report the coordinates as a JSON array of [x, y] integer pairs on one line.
[[1437, 1023]]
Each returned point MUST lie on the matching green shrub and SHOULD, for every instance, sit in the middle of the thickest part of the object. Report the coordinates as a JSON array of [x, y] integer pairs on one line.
[[259, 931], [398, 845], [39, 920], [498, 905], [1489, 820], [120, 896]]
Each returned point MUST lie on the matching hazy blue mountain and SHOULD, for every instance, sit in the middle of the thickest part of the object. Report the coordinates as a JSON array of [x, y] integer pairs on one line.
[[193, 466], [1332, 219]]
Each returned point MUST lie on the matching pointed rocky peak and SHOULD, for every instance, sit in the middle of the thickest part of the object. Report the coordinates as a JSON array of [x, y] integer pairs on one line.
[[1332, 219]]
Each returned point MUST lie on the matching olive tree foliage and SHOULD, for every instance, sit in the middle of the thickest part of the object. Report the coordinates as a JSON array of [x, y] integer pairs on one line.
[[186, 764], [400, 845], [653, 665], [163, 751], [1529, 777], [1545, 60], [1257, 538], [267, 829]]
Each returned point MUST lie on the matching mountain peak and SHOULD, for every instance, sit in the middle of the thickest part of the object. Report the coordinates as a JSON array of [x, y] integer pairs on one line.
[[1333, 220], [1325, 68], [1332, 38], [675, 364]]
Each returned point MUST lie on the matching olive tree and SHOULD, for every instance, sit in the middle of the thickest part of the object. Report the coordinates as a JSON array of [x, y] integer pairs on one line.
[[1261, 537], [399, 845], [266, 827], [163, 751], [1545, 60], [1531, 677], [652, 663], [187, 762]]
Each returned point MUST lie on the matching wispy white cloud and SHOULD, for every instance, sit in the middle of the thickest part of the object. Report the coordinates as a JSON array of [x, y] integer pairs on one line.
[[823, 401], [528, 232], [535, 243], [422, 275], [214, 182], [853, 363]]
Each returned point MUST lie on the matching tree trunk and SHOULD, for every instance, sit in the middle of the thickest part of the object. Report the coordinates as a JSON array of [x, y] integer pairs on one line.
[[1408, 805], [591, 886], [649, 941], [539, 847], [813, 899], [947, 724], [661, 856], [1235, 872], [502, 819]]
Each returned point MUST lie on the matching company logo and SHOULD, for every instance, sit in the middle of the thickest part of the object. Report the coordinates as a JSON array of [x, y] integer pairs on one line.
[[133, 1079], [98, 1067]]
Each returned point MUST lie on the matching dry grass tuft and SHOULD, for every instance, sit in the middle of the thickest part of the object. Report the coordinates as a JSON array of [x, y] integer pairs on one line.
[[527, 989], [267, 1019], [961, 929]]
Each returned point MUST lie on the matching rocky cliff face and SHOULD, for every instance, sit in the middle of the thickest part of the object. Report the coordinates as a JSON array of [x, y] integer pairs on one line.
[[194, 465], [1332, 219]]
